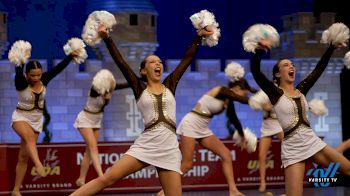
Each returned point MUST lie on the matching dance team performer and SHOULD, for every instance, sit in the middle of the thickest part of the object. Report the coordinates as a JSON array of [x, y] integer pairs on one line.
[[157, 145], [270, 128], [195, 125], [300, 142], [27, 119], [88, 121]]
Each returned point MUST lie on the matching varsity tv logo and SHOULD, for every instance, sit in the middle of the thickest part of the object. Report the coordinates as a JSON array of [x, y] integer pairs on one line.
[[322, 177]]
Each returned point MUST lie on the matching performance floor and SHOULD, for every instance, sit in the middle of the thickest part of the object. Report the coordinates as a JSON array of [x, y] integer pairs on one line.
[[329, 191]]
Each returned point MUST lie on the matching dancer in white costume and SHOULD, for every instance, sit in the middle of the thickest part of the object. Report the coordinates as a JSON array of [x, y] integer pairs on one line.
[[88, 121], [270, 128], [157, 145], [300, 141], [27, 119], [195, 126]]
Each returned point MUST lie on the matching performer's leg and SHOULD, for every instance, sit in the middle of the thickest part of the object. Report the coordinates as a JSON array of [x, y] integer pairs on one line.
[[91, 137], [343, 146], [84, 168], [30, 137], [328, 155], [21, 168], [280, 136], [170, 181], [213, 144], [125, 166], [294, 177], [187, 146], [264, 146]]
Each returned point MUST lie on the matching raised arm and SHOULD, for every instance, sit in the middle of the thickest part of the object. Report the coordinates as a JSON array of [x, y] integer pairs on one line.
[[305, 85], [272, 91], [135, 83], [232, 116], [20, 81], [48, 76], [226, 93], [121, 86], [173, 79]]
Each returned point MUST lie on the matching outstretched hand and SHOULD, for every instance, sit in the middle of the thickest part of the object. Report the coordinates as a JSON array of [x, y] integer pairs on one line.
[[206, 31], [243, 143], [75, 53], [102, 31], [265, 44], [267, 107]]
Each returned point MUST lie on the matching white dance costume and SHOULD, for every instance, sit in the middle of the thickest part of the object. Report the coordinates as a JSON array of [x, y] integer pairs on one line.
[[91, 116], [157, 145], [195, 124], [300, 141], [31, 104]]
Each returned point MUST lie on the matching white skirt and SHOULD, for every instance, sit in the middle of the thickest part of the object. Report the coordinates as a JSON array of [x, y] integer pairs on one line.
[[88, 120], [158, 147], [195, 126], [270, 127], [300, 146], [34, 118]]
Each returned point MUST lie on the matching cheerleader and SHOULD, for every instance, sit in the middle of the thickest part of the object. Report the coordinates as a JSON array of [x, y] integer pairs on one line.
[[270, 128], [157, 145], [300, 141], [88, 121], [27, 119], [195, 125]]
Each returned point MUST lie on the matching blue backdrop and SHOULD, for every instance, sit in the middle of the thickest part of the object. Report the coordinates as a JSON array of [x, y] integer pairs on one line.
[[48, 24]]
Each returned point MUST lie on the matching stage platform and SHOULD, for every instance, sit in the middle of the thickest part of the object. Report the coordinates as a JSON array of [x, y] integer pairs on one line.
[[62, 161]]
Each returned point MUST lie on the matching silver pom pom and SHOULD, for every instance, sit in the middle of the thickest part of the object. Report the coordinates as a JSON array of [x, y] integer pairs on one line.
[[336, 34], [94, 21], [317, 107], [257, 101], [20, 52], [76, 44], [104, 81], [205, 18], [234, 71], [257, 33], [250, 139], [347, 60]]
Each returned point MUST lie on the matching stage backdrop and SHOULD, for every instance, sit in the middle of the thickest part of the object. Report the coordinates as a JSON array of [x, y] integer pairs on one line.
[[63, 163]]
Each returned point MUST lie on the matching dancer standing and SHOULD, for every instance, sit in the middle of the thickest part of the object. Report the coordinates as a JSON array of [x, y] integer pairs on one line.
[[88, 121], [27, 119], [270, 128], [300, 142], [157, 145]]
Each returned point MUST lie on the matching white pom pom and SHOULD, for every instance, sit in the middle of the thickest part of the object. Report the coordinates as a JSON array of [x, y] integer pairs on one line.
[[250, 139], [103, 82], [257, 33], [234, 71], [205, 18], [94, 21], [76, 44], [336, 34], [317, 107], [20, 52], [257, 101], [347, 60]]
